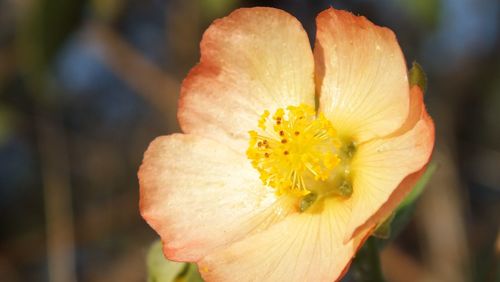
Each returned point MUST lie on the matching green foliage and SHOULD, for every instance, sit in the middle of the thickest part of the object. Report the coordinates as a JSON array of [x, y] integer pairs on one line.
[[163, 270], [192, 274]]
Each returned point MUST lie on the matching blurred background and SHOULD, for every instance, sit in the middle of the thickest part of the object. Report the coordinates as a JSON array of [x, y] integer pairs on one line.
[[86, 85]]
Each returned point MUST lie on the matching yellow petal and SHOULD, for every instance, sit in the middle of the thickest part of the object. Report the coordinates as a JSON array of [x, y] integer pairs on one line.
[[253, 60], [303, 247], [200, 195], [360, 76]]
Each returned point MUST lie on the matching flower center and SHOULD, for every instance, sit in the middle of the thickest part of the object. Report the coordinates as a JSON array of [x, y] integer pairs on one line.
[[297, 152]]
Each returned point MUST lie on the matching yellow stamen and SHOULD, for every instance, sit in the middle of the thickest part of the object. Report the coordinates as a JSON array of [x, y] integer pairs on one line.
[[294, 149]]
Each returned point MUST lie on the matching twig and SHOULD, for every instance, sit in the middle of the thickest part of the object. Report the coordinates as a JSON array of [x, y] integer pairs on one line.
[[57, 195]]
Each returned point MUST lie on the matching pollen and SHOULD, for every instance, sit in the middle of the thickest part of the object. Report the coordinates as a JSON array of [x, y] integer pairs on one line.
[[294, 149]]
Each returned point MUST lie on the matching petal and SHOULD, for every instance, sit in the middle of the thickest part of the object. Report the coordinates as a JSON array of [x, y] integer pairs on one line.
[[252, 60], [199, 195], [379, 168], [397, 196], [360, 76], [417, 111], [303, 247]]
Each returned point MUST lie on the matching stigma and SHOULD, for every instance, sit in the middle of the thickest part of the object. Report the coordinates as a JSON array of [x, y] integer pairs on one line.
[[296, 151]]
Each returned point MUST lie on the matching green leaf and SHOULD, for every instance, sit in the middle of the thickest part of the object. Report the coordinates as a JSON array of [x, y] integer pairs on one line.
[[159, 268], [162, 270], [417, 76], [192, 275]]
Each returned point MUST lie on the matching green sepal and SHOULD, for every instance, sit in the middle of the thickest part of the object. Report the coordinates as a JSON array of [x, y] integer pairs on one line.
[[163, 270], [160, 269], [366, 264], [419, 187], [417, 76], [383, 230], [395, 223]]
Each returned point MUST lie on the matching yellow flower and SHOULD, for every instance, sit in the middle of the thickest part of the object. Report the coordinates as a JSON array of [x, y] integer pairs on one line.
[[265, 186]]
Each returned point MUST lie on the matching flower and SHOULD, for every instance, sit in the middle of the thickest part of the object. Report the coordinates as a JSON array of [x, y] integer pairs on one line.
[[264, 186]]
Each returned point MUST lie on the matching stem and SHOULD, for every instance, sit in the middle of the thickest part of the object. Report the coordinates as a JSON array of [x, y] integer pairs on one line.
[[366, 265]]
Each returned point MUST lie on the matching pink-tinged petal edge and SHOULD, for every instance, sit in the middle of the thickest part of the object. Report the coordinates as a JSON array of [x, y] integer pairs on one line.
[[405, 168], [302, 247], [360, 76], [253, 60], [214, 210], [199, 195]]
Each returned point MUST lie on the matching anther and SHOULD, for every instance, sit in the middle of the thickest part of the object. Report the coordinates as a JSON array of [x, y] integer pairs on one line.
[[283, 141]]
